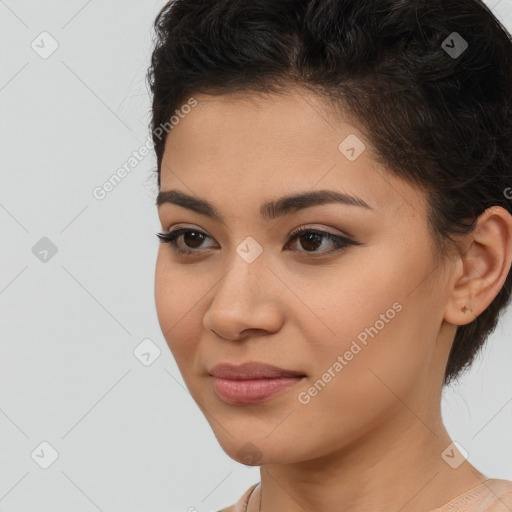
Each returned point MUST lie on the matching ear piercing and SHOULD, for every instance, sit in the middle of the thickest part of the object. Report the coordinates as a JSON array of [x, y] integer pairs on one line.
[[465, 308]]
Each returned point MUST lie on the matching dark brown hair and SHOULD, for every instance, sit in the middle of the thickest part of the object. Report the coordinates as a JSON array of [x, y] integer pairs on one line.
[[429, 81]]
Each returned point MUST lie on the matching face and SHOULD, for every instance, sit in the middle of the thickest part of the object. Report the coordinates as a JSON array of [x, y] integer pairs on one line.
[[354, 304]]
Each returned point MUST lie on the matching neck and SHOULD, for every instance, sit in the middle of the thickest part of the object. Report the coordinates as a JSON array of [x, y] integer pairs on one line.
[[398, 467]]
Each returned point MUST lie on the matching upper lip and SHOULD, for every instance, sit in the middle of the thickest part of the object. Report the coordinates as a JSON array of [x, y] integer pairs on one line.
[[251, 370]]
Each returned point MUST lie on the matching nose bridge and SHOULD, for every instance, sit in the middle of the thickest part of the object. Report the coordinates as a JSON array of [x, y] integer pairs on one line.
[[245, 280], [243, 298], [247, 268]]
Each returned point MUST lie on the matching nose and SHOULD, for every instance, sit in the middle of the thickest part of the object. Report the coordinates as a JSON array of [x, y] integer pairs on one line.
[[245, 302]]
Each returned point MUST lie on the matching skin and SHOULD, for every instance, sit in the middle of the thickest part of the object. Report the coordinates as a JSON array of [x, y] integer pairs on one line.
[[372, 438]]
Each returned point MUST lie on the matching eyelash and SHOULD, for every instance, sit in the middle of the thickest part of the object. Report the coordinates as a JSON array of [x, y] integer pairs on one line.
[[341, 243]]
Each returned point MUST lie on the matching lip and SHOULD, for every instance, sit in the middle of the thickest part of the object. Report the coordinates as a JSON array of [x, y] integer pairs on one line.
[[251, 382], [252, 370]]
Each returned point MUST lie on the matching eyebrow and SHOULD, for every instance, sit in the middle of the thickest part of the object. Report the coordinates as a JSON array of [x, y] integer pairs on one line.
[[269, 210]]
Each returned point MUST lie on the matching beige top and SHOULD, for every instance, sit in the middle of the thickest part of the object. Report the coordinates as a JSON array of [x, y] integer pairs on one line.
[[493, 495]]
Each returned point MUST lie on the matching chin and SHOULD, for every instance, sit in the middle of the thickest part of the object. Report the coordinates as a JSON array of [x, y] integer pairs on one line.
[[257, 451]]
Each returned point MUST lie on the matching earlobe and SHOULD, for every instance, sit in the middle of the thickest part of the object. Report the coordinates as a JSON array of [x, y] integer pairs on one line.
[[457, 315], [485, 266]]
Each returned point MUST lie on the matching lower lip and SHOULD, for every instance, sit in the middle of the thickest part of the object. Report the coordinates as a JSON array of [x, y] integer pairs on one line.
[[239, 392]]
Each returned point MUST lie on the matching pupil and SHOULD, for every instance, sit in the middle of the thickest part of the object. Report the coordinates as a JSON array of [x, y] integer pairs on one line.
[[310, 236], [188, 234]]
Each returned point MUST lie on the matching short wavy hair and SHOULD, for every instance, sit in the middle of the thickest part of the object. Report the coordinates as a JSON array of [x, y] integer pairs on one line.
[[438, 118]]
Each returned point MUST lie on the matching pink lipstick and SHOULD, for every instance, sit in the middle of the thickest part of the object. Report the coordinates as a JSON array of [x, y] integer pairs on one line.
[[251, 382]]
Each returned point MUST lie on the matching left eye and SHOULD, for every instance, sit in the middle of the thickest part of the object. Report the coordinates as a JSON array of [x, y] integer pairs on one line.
[[310, 240]]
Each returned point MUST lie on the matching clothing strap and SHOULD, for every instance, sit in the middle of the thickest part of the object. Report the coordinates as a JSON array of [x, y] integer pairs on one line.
[[249, 497]]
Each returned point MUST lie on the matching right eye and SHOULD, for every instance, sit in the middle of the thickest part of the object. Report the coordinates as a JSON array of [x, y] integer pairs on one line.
[[190, 236]]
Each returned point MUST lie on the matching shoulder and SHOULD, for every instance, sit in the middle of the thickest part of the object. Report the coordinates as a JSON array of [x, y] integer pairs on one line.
[[228, 509], [493, 495], [241, 504], [500, 494]]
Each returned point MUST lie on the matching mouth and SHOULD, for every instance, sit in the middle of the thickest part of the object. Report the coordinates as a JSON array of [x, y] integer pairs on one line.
[[251, 382]]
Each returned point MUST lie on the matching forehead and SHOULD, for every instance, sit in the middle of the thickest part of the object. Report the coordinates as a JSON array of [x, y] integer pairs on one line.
[[251, 145]]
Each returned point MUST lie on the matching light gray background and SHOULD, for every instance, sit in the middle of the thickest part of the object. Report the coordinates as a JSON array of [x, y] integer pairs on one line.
[[128, 436]]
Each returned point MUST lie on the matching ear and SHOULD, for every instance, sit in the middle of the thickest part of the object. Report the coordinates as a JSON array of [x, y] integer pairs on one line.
[[485, 266]]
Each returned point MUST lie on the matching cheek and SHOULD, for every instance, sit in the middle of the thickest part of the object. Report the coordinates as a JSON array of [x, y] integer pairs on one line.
[[165, 293], [362, 377], [367, 324], [177, 306]]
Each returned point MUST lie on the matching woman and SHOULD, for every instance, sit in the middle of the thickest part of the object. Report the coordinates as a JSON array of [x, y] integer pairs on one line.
[[334, 192]]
